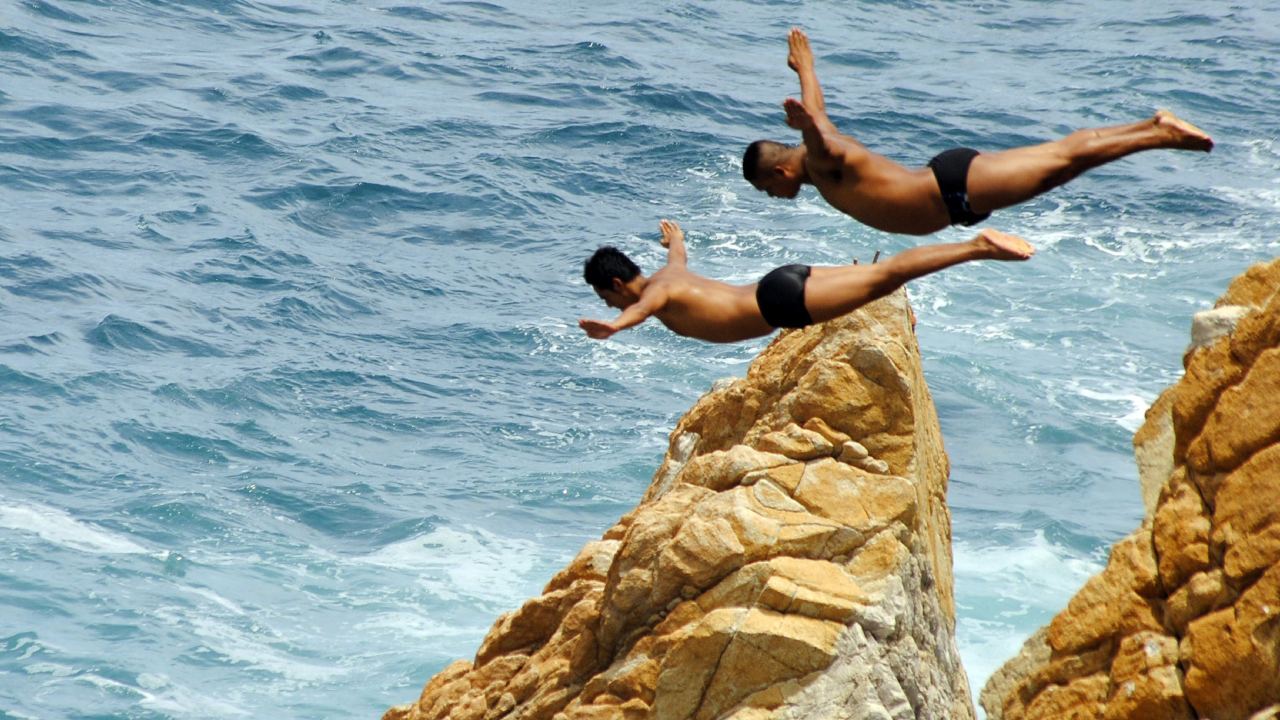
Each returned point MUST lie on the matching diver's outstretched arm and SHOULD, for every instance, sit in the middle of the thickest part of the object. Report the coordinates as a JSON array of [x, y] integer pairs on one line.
[[800, 59], [653, 301], [673, 241]]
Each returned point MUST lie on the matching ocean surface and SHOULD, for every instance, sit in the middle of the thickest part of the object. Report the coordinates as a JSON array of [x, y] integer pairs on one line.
[[293, 402]]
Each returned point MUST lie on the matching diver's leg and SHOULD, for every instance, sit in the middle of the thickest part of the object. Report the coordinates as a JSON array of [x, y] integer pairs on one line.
[[835, 291], [1000, 179]]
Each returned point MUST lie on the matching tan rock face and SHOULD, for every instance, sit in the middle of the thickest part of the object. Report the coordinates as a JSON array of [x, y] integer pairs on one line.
[[791, 559], [1184, 622]]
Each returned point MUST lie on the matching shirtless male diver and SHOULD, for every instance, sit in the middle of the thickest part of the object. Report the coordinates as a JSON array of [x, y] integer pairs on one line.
[[959, 186], [790, 296]]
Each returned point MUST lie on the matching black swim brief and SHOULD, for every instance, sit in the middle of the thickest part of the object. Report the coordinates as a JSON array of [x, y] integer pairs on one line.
[[951, 168], [780, 296]]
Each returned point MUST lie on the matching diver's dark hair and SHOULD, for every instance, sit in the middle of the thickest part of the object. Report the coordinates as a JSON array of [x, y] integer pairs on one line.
[[606, 264], [751, 158]]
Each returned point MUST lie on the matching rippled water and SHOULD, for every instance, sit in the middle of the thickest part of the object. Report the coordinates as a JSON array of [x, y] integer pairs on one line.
[[292, 398]]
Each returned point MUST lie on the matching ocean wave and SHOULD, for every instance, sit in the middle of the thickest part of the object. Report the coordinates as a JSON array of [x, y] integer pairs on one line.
[[59, 528]]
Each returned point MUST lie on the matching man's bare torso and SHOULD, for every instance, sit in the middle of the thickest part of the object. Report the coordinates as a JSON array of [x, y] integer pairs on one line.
[[884, 195], [707, 309]]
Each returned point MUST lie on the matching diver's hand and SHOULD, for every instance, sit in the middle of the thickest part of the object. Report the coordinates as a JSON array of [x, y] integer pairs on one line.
[[799, 54], [598, 329]]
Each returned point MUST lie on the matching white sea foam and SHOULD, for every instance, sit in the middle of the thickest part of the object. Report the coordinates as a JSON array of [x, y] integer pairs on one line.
[[238, 643], [1137, 404], [1004, 593], [159, 694], [408, 625], [59, 528], [463, 563]]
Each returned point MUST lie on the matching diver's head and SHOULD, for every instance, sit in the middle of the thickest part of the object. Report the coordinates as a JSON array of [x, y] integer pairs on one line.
[[610, 272], [774, 168]]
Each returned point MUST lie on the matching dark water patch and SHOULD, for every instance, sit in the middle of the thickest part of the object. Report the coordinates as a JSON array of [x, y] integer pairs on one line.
[[1173, 20], [375, 538], [37, 48], [1179, 198], [588, 52], [1026, 24], [163, 522], [369, 418], [242, 242], [95, 183], [253, 431], [121, 334], [332, 305], [380, 281], [121, 81], [35, 344], [248, 271], [144, 231], [1206, 103], [336, 62], [343, 304], [862, 59], [592, 134], [21, 266], [52, 605], [102, 380], [583, 384], [515, 98], [240, 397], [708, 107], [116, 632], [437, 68], [53, 12], [189, 446], [415, 13], [429, 136], [16, 382], [244, 395], [221, 144], [58, 118], [212, 95], [578, 182], [295, 312], [324, 208], [176, 393], [299, 92], [46, 148], [333, 515], [200, 214], [483, 14], [373, 38], [334, 387], [495, 66], [65, 287]]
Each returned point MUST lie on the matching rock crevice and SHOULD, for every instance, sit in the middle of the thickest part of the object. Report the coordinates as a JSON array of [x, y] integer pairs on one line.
[[1184, 621]]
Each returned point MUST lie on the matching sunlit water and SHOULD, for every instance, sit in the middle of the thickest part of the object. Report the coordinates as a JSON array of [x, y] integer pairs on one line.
[[294, 403]]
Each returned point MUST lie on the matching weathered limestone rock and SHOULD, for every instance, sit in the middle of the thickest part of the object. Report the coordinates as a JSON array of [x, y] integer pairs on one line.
[[1184, 622], [790, 559]]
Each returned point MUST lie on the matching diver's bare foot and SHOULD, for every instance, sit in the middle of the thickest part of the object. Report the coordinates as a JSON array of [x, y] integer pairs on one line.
[[798, 116], [996, 245], [799, 54], [670, 231], [1183, 134]]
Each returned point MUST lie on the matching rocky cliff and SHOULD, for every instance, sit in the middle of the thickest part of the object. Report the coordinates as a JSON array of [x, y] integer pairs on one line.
[[1184, 621], [791, 559]]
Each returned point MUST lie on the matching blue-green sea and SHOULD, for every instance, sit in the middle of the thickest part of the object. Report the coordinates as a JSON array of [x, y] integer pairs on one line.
[[293, 401]]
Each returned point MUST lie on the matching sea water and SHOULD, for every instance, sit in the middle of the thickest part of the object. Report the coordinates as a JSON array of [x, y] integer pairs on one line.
[[293, 401]]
